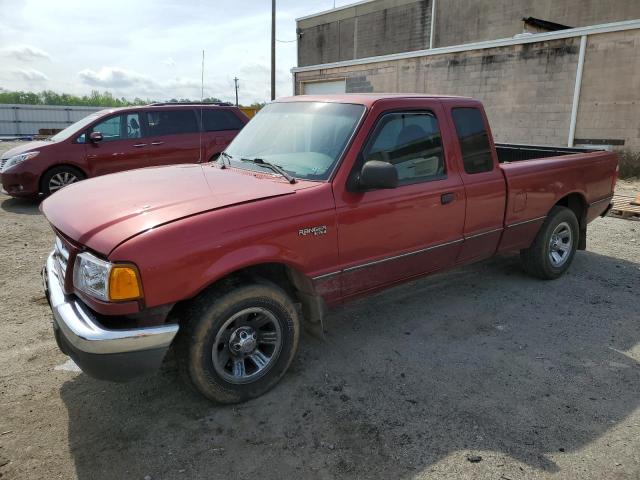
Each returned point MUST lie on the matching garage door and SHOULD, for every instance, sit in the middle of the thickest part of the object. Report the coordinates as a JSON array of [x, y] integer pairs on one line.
[[320, 88]]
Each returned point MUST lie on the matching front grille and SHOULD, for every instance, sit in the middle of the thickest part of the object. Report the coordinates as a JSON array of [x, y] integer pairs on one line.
[[2, 162], [61, 256]]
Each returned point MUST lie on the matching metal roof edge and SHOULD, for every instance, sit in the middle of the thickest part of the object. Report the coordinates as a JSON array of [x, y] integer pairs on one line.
[[331, 10], [503, 42]]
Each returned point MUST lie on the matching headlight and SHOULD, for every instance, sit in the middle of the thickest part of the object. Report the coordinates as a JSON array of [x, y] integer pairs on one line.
[[105, 280], [17, 159]]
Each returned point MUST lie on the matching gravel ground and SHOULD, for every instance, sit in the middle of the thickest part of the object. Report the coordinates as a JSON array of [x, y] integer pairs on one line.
[[533, 379]]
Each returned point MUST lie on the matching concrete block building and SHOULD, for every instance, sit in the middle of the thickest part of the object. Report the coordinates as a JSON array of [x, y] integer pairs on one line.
[[550, 72]]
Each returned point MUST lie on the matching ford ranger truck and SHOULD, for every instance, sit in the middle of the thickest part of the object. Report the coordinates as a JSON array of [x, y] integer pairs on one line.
[[318, 200]]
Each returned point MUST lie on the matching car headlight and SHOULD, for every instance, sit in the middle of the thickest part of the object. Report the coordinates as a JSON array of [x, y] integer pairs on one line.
[[110, 282], [16, 160]]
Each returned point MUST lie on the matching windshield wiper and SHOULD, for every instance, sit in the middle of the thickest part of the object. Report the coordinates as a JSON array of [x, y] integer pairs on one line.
[[272, 166], [224, 155]]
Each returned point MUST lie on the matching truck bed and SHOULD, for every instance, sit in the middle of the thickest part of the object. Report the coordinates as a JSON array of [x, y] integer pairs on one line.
[[514, 152], [586, 177]]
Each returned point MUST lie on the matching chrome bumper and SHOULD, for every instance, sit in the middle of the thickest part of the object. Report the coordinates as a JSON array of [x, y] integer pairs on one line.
[[92, 346]]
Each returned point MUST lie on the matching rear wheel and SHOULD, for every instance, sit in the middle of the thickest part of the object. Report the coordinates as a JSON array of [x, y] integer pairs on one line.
[[553, 249], [236, 343], [59, 177]]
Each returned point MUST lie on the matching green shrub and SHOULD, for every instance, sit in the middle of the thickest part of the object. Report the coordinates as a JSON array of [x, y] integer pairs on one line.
[[629, 162]]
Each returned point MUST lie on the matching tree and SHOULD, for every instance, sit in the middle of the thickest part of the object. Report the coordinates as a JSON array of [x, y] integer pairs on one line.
[[49, 97]]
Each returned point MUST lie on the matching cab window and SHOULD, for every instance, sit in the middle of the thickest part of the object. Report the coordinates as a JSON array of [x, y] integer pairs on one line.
[[111, 128], [474, 140], [119, 127], [411, 142]]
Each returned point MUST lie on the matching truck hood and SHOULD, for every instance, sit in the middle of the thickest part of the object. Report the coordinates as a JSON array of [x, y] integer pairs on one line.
[[103, 212]]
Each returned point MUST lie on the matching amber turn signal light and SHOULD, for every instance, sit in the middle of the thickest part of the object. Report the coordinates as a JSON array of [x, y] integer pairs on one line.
[[124, 283]]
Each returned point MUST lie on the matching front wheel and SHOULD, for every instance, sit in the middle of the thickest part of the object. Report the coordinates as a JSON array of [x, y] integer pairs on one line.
[[59, 177], [236, 343], [553, 249]]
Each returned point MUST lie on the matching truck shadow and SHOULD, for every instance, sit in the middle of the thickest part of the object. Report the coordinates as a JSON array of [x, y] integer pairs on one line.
[[20, 206], [483, 360]]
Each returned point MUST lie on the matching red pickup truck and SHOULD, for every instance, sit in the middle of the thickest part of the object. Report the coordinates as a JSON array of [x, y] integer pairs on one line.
[[319, 199]]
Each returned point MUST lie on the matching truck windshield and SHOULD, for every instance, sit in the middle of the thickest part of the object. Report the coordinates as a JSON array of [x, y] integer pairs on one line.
[[306, 139], [76, 127]]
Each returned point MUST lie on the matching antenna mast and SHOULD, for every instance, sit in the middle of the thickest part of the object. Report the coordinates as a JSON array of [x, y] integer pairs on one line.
[[201, 101], [273, 49]]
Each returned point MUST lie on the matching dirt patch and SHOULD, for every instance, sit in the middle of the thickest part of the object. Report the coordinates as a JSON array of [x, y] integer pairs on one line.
[[482, 372]]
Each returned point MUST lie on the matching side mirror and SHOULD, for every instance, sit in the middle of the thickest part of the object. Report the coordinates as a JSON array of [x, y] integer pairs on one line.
[[376, 174], [95, 137]]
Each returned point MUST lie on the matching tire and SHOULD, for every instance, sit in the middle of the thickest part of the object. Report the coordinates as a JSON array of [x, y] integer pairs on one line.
[[553, 249], [59, 177], [219, 324]]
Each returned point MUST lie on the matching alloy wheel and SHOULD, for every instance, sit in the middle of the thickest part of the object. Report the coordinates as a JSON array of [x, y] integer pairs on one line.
[[560, 244], [247, 345], [61, 179]]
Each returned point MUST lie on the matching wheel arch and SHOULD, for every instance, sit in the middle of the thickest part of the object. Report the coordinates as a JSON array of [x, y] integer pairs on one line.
[[58, 165], [576, 202], [294, 282]]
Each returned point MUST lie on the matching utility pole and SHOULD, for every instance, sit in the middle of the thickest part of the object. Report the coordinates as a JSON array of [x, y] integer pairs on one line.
[[235, 80], [273, 49]]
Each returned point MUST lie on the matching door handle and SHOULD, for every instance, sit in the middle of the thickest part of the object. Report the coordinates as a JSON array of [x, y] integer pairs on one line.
[[447, 198], [138, 145], [157, 143]]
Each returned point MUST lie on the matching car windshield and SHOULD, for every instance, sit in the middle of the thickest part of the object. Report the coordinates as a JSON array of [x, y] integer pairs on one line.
[[306, 139], [75, 127]]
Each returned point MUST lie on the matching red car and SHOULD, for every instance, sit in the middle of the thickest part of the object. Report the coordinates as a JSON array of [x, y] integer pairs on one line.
[[120, 139], [320, 199]]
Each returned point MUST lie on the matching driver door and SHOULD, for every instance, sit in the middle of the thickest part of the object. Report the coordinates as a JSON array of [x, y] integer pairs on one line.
[[389, 235], [123, 146]]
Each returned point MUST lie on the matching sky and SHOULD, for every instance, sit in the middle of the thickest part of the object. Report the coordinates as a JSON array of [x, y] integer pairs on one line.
[[150, 48]]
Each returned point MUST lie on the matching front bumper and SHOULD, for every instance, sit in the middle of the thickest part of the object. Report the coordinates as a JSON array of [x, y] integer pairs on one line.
[[116, 355], [19, 184]]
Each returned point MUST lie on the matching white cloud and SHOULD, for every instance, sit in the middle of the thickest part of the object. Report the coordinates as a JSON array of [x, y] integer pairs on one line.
[[25, 53], [114, 77], [179, 82], [30, 75], [123, 81], [159, 58]]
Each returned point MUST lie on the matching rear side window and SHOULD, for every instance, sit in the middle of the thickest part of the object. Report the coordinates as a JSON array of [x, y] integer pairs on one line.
[[217, 120], [474, 140], [171, 122], [412, 143]]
